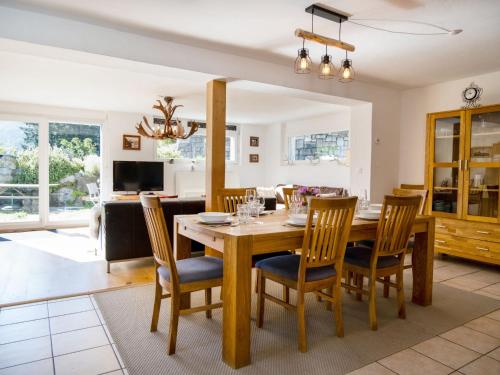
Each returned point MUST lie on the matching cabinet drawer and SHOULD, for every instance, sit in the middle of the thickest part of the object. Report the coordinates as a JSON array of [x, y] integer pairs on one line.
[[468, 247], [468, 229]]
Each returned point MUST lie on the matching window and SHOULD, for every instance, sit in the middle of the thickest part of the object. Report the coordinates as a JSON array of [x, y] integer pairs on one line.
[[323, 146], [19, 188], [74, 170], [49, 172], [194, 148]]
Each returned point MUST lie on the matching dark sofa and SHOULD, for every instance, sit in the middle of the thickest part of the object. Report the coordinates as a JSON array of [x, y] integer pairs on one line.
[[124, 233]]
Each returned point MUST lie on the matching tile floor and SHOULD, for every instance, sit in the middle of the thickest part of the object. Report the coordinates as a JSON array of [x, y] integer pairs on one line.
[[69, 336], [472, 349]]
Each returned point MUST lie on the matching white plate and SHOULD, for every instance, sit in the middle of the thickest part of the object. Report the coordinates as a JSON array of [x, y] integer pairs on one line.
[[226, 221], [214, 217], [376, 206], [369, 214], [294, 224]]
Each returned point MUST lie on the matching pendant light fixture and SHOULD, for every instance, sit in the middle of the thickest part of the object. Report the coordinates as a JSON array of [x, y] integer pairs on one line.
[[326, 68], [346, 72], [303, 62]]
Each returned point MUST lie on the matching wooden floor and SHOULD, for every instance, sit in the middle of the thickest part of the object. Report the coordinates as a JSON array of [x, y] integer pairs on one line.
[[50, 264]]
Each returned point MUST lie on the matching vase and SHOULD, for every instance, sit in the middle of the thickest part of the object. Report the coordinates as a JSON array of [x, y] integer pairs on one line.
[[308, 199]]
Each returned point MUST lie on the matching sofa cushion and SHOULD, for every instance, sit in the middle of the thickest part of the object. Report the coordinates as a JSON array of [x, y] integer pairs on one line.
[[280, 197], [266, 192], [195, 269], [287, 266]]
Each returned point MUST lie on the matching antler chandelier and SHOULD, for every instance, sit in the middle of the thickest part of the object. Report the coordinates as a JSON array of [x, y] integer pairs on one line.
[[171, 129]]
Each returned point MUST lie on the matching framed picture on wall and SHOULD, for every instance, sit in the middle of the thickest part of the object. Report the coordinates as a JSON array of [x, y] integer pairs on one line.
[[254, 158], [254, 141], [131, 142]]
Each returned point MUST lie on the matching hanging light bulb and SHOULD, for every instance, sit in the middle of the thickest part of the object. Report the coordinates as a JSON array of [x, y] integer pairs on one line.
[[303, 62], [326, 68], [346, 73]]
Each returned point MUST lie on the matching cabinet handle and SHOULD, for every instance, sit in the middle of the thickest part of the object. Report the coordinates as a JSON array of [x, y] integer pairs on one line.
[[482, 232], [440, 241], [441, 226], [482, 248]]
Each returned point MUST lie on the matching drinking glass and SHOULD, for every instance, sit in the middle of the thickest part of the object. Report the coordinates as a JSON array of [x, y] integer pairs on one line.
[[250, 196], [243, 213]]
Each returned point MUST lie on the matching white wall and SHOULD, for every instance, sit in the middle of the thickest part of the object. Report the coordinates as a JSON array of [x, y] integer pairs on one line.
[[115, 124], [79, 36], [416, 103], [323, 174]]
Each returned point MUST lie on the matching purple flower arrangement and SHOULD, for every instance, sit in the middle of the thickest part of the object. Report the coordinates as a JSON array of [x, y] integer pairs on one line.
[[308, 191]]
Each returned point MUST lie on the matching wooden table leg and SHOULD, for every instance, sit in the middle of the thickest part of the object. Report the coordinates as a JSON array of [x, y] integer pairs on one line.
[[182, 250], [237, 301], [423, 265]]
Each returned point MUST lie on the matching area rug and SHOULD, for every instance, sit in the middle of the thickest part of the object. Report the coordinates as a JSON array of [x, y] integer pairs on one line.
[[274, 347]]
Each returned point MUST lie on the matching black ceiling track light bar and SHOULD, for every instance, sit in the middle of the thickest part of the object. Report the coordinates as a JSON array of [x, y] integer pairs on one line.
[[327, 12]]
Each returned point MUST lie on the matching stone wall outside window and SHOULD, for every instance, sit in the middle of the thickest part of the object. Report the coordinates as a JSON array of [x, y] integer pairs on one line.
[[319, 146]]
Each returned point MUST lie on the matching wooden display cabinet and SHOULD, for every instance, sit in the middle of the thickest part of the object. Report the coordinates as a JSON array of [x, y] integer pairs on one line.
[[463, 179]]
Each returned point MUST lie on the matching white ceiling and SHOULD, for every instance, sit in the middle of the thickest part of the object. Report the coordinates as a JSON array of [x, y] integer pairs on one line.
[[264, 29], [80, 80]]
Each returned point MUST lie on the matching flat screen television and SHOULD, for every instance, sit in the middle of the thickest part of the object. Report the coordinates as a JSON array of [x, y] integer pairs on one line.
[[137, 176]]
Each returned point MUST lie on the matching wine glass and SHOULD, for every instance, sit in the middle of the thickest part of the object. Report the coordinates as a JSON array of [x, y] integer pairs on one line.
[[250, 196]]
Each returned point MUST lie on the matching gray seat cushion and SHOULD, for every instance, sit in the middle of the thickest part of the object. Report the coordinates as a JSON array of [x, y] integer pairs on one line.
[[195, 269], [360, 256], [370, 243], [287, 266], [259, 257]]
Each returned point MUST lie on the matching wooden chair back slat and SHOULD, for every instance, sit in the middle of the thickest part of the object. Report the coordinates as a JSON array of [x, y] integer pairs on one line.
[[325, 241], [158, 235], [412, 192], [229, 198], [395, 224]]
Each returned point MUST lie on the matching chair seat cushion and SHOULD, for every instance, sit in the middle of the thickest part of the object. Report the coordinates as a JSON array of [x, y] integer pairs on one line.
[[370, 243], [360, 256], [195, 269], [287, 266], [259, 257]]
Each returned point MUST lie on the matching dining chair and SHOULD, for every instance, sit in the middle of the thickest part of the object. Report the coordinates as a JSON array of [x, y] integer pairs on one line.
[[400, 192], [411, 186], [318, 267], [229, 198], [288, 196], [177, 277], [386, 258]]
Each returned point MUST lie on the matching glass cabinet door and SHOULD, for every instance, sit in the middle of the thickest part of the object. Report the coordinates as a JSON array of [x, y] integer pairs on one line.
[[482, 167], [446, 154]]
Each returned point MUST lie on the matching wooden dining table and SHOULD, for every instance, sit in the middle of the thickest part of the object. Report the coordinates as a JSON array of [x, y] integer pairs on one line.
[[269, 234]]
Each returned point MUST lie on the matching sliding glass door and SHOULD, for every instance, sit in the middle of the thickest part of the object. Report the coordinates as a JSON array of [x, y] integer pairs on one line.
[[74, 170], [19, 172], [49, 173]]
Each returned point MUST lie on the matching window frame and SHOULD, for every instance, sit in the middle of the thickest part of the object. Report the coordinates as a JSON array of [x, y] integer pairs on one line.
[[43, 121]]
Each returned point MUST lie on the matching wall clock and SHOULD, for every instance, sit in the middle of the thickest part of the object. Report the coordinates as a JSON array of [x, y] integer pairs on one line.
[[471, 95]]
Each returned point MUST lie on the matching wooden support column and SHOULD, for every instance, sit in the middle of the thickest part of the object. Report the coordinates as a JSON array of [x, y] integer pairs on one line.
[[215, 167]]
